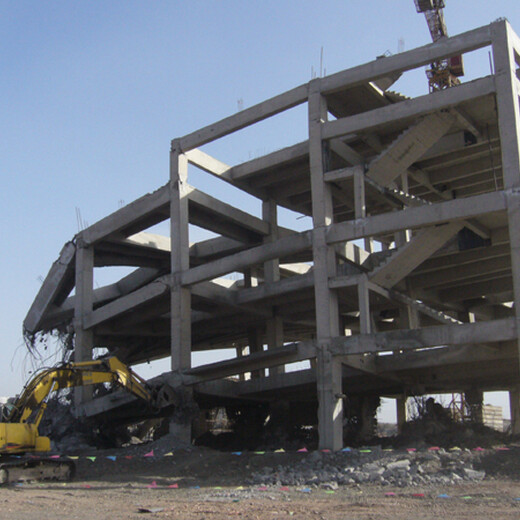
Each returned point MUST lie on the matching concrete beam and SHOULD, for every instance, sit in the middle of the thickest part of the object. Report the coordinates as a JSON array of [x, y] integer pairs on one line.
[[421, 216], [442, 358], [410, 108], [130, 217], [129, 302], [489, 284], [238, 261], [396, 296], [479, 332], [246, 117], [255, 361], [465, 42], [459, 273], [215, 248], [242, 172], [281, 287], [209, 164], [52, 286], [217, 212], [58, 315]]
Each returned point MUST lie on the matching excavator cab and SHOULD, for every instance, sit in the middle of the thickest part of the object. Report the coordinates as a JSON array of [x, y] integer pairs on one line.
[[20, 419]]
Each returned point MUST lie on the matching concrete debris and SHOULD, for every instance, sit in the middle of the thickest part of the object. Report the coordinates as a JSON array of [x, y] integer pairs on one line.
[[401, 469]]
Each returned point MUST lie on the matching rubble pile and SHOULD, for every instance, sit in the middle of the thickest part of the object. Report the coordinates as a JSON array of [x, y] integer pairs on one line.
[[401, 469]]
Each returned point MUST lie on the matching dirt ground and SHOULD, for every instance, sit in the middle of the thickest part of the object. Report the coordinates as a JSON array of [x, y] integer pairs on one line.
[[203, 484]]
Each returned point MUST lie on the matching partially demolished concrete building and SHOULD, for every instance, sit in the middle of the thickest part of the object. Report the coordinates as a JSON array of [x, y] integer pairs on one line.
[[407, 283]]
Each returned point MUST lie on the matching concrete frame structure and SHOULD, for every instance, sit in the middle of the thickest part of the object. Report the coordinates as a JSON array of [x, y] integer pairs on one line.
[[433, 180]]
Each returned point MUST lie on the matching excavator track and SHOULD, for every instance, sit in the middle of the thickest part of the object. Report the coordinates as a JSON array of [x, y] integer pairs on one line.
[[26, 468]]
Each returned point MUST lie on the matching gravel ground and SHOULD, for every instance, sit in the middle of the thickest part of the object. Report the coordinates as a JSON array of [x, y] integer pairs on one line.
[[199, 483]]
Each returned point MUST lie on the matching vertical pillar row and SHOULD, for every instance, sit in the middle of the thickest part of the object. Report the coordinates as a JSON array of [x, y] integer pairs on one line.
[[84, 301], [506, 81], [274, 325], [180, 262], [328, 368]]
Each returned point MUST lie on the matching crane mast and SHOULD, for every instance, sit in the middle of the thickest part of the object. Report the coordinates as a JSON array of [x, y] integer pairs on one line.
[[444, 73]]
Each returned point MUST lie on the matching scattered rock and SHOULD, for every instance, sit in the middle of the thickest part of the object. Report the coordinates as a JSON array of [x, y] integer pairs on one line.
[[401, 469]]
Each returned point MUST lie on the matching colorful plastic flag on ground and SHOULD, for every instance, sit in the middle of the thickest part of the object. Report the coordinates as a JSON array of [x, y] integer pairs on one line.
[[149, 454]]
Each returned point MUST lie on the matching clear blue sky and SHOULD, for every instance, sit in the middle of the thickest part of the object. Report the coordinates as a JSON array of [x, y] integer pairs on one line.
[[93, 92]]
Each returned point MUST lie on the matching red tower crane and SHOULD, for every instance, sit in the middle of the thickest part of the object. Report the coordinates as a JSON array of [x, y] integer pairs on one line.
[[442, 74]]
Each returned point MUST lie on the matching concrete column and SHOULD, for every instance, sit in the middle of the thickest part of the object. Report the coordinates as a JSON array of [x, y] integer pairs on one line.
[[270, 215], [365, 320], [360, 209], [400, 407], [514, 407], [506, 81], [513, 213], [254, 334], [274, 325], [251, 277], [509, 127], [274, 338], [241, 351], [328, 369], [403, 236], [256, 344], [84, 338], [180, 262], [475, 400]]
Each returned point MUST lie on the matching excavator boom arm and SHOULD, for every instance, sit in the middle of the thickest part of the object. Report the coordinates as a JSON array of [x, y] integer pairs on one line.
[[70, 375]]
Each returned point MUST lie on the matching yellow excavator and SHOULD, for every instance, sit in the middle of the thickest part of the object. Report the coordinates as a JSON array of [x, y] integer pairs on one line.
[[19, 438]]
